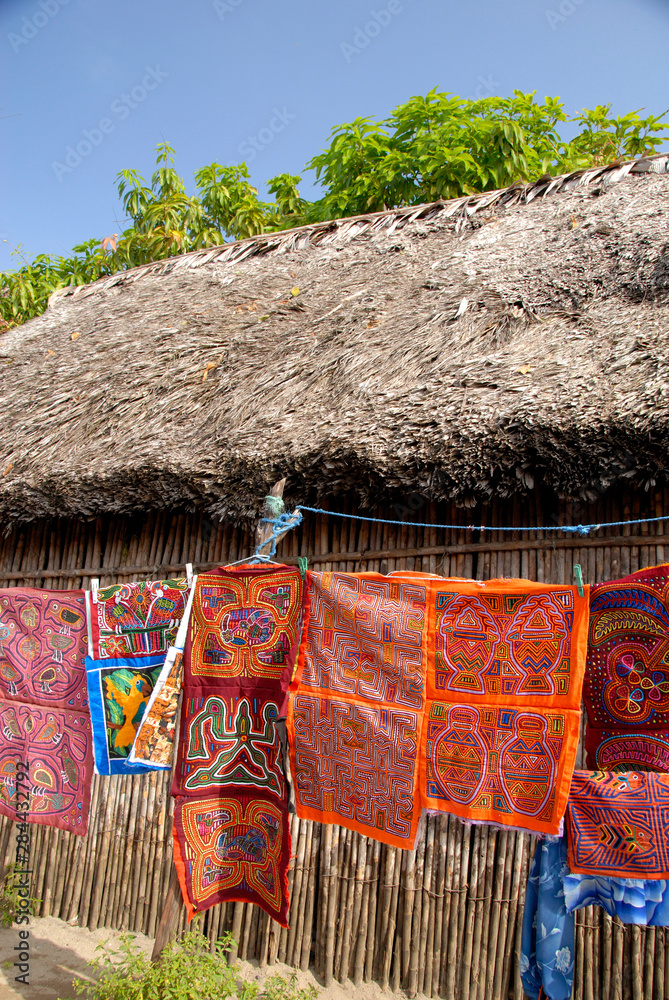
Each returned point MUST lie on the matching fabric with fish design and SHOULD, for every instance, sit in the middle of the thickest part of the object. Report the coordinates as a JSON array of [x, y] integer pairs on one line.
[[505, 667], [617, 824], [136, 620], [119, 691], [231, 818], [45, 726], [626, 689]]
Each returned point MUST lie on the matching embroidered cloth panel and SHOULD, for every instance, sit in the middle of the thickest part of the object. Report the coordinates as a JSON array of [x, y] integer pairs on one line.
[[135, 620], [233, 846], [119, 691], [44, 716], [506, 660], [232, 836], [617, 824], [626, 690], [455, 695], [356, 711]]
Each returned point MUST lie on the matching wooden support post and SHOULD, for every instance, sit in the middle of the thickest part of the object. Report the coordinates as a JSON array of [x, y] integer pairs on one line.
[[169, 919]]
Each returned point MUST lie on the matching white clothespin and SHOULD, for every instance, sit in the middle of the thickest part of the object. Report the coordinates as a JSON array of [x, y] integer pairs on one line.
[[95, 583], [189, 574]]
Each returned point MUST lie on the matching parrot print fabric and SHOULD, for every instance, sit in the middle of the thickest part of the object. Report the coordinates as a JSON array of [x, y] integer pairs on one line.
[[119, 691], [45, 728]]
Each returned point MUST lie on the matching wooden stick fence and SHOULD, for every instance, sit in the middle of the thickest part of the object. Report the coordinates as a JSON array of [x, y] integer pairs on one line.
[[442, 920]]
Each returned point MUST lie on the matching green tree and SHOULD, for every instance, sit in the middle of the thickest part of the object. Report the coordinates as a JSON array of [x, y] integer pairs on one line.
[[437, 146]]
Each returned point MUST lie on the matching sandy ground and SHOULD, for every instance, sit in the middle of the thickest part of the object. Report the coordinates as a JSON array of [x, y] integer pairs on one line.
[[60, 951]]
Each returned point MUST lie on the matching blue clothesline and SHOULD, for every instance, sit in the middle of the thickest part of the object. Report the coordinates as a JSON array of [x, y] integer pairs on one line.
[[576, 529]]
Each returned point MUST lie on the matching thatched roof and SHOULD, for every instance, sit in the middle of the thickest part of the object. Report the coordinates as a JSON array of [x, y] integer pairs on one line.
[[458, 349]]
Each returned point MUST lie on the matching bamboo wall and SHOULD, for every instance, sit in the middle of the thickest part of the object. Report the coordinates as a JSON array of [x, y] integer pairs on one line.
[[443, 920]]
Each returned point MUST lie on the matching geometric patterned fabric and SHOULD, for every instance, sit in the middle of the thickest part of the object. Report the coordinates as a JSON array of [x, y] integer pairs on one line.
[[626, 689], [231, 827], [504, 683], [454, 695], [355, 716], [617, 824], [44, 717]]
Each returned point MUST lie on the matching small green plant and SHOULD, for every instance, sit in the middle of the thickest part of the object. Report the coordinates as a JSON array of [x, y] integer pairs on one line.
[[187, 970], [10, 900]]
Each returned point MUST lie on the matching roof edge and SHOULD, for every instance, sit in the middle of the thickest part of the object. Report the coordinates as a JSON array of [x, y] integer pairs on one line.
[[390, 220]]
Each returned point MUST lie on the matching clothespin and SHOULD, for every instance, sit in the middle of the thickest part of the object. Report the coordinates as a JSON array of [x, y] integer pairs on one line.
[[302, 565], [94, 590], [578, 576], [189, 574]]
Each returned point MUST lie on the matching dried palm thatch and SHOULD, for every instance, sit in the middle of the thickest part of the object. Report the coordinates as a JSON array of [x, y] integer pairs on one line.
[[461, 349]]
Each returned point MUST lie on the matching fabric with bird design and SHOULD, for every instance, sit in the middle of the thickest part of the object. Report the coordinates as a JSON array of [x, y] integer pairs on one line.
[[136, 620], [119, 691], [44, 716], [617, 824]]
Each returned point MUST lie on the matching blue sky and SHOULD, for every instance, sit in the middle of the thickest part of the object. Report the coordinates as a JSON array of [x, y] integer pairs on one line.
[[266, 80]]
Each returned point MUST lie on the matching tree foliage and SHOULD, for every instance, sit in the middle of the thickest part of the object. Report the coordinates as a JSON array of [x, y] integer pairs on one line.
[[437, 146]]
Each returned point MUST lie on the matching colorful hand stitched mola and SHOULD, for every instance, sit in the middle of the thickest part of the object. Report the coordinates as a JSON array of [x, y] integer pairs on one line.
[[233, 847], [44, 717], [504, 675], [626, 690], [131, 620], [355, 715], [232, 839], [245, 628], [618, 824]]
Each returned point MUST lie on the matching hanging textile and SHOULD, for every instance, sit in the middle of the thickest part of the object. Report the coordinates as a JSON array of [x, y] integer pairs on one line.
[[626, 689], [456, 695], [618, 824], [547, 942], [233, 847], [156, 734], [355, 715], [136, 620], [155, 737], [131, 627], [634, 901], [119, 692], [241, 647], [45, 728], [505, 669]]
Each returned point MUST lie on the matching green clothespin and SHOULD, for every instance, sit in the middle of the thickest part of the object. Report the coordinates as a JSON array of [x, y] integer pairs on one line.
[[578, 576], [302, 565]]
